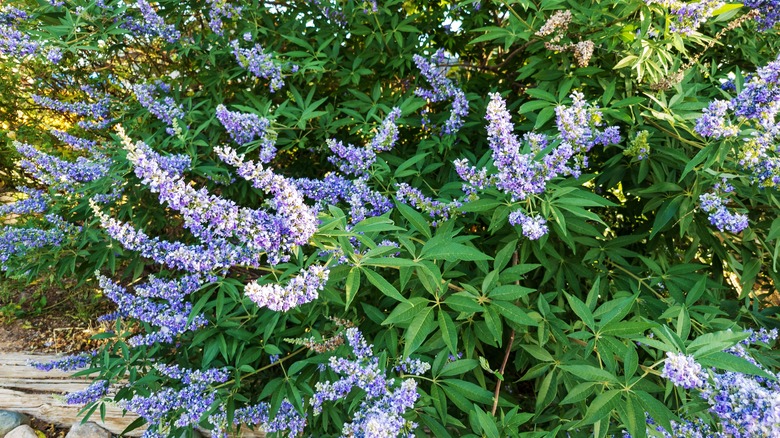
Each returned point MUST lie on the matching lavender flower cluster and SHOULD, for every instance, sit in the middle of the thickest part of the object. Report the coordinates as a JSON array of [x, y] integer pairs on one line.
[[97, 112], [211, 218], [533, 227], [351, 160], [287, 419], [333, 189], [769, 12], [302, 289], [745, 405], [190, 402], [166, 110], [151, 24], [442, 89], [14, 42], [35, 202], [219, 9], [78, 143], [259, 63], [381, 411], [330, 12], [93, 393], [206, 257], [689, 16], [61, 174], [161, 303], [519, 174], [17, 242], [696, 428], [244, 128], [713, 204], [683, 370], [294, 222], [439, 211], [67, 363], [356, 161], [752, 115]]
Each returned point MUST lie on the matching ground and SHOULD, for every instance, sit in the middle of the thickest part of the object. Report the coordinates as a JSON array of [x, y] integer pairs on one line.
[[48, 318], [45, 317]]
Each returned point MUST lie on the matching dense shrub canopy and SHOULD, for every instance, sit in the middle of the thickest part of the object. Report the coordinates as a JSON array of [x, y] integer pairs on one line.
[[480, 218]]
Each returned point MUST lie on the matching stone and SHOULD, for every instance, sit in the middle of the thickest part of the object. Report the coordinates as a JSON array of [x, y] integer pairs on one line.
[[87, 430], [23, 431], [10, 420]]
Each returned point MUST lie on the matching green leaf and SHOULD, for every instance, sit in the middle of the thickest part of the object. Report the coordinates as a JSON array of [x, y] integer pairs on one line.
[[579, 392], [730, 362], [628, 101], [399, 172], [626, 328], [695, 161], [600, 407], [493, 324], [541, 94], [544, 115], [487, 423], [667, 211], [421, 326], [774, 230], [532, 106], [469, 390], [509, 292], [608, 93], [448, 331], [389, 262], [406, 311], [352, 285], [546, 391], [480, 205], [463, 302], [458, 367], [538, 352], [513, 313], [590, 373], [656, 410], [454, 252], [630, 361], [634, 418], [416, 219], [726, 8], [383, 285], [628, 61], [581, 310], [504, 255]]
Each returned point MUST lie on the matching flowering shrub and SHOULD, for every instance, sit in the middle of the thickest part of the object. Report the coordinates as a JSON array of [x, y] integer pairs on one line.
[[370, 219]]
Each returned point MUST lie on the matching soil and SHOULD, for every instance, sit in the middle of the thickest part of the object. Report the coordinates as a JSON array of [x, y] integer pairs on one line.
[[48, 334], [54, 329], [65, 326]]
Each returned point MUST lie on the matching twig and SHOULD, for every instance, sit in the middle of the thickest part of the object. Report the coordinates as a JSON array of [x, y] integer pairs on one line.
[[676, 77], [508, 350]]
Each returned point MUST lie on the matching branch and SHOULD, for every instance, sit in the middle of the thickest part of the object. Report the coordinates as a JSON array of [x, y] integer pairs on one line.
[[508, 350]]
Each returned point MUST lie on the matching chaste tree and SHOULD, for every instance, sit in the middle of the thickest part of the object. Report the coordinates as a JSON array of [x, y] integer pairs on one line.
[[371, 219]]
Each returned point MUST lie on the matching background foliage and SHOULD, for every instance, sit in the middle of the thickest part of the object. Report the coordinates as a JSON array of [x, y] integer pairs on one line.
[[564, 334]]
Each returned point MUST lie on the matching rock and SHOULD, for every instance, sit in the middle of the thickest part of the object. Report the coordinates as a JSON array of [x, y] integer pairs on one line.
[[10, 420], [23, 431], [87, 430]]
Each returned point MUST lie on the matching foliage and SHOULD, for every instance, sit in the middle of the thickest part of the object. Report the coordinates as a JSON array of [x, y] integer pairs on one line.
[[478, 218]]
